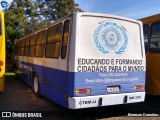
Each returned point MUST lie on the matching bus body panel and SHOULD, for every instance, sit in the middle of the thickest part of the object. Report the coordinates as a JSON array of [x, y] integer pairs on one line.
[[61, 80], [52, 74], [2, 52], [152, 46], [2, 83], [113, 72], [152, 74], [52, 81]]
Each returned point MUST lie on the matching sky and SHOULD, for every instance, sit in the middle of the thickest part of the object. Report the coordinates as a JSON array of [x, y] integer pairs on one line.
[[134, 9], [8, 1]]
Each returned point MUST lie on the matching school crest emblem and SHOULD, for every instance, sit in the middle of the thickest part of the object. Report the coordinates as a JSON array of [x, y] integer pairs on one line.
[[110, 38]]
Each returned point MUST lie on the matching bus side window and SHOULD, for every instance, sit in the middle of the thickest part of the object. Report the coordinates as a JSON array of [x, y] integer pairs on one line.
[[54, 41], [19, 47], [22, 47], [15, 50], [26, 46], [31, 45], [65, 39], [155, 38], [146, 36], [40, 44]]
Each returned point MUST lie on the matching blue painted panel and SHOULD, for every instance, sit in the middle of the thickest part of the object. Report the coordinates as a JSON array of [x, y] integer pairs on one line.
[[98, 82], [53, 82], [56, 84]]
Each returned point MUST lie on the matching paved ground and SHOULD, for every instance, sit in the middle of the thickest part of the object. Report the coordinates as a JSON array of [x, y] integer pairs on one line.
[[18, 97]]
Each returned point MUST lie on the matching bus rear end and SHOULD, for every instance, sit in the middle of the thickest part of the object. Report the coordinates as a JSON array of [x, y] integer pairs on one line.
[[108, 62], [2, 52]]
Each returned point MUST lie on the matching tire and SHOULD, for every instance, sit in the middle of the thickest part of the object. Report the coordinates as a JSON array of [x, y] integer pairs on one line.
[[36, 86]]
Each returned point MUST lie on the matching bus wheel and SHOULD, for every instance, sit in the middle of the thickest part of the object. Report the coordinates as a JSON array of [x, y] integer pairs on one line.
[[36, 86]]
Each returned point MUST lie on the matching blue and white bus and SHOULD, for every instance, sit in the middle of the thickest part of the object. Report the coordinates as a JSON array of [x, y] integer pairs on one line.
[[85, 60]]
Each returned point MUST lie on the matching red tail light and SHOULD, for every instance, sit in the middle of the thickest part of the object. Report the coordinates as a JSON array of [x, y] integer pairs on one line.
[[139, 87], [83, 91]]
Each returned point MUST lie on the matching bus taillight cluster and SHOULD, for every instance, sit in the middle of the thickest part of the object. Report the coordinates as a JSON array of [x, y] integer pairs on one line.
[[1, 63]]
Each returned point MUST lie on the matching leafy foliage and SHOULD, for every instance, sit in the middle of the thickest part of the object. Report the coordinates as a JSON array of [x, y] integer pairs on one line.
[[25, 16], [55, 9]]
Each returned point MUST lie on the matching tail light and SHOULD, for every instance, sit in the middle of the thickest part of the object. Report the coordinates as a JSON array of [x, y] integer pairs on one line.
[[83, 91], [139, 87]]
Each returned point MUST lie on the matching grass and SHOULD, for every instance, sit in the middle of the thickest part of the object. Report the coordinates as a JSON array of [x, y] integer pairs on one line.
[[9, 73]]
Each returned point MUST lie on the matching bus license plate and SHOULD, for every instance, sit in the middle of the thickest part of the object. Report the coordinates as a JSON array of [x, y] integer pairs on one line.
[[113, 89]]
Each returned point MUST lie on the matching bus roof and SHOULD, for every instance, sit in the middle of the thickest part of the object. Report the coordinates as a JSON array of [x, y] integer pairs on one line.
[[83, 14], [151, 19], [106, 15]]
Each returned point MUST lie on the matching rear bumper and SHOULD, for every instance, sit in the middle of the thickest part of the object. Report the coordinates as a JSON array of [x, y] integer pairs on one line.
[[105, 100]]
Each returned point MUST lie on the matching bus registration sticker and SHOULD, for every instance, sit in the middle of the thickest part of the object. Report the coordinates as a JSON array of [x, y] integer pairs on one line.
[[113, 89]]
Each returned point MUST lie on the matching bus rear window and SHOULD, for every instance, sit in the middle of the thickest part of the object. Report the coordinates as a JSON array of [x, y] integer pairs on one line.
[[155, 38]]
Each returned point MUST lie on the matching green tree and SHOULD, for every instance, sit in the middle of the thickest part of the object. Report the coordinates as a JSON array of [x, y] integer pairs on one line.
[[25, 16], [18, 22], [55, 9]]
